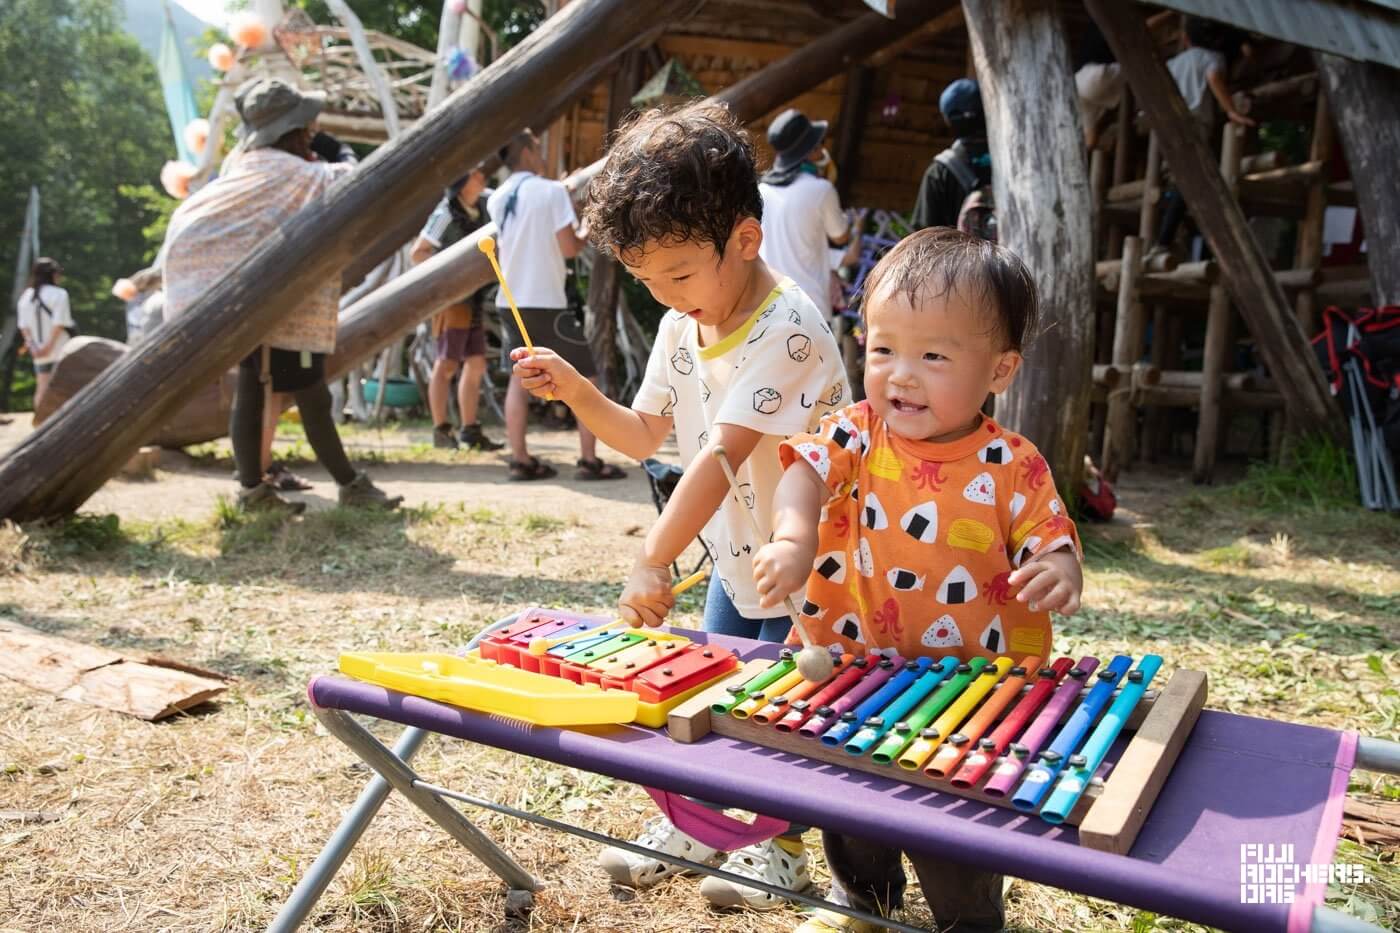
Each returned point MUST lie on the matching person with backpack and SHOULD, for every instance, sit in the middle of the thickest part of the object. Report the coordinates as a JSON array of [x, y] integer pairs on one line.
[[956, 190], [45, 320]]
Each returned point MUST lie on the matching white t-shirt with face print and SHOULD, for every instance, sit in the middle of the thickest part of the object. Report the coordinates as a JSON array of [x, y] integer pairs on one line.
[[777, 374]]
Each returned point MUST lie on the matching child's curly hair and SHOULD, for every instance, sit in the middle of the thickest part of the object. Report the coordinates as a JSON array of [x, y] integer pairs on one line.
[[675, 176]]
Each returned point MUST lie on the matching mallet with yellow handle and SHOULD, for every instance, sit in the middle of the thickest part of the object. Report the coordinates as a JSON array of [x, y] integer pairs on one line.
[[488, 246], [541, 646]]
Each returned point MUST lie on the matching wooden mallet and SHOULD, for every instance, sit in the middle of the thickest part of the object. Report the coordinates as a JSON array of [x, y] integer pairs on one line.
[[813, 662], [488, 246], [541, 646]]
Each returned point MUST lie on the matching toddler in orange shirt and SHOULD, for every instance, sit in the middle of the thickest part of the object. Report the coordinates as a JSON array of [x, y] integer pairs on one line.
[[917, 515]]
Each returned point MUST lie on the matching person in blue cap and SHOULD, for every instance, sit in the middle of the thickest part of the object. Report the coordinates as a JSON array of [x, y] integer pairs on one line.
[[962, 168]]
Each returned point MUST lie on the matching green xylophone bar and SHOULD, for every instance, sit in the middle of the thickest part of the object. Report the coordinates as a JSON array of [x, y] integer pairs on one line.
[[738, 693], [1081, 767], [874, 728], [905, 732]]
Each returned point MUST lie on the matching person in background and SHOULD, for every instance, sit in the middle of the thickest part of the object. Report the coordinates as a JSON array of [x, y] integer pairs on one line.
[[802, 216], [45, 320], [963, 167], [1098, 80], [535, 233], [459, 331], [1201, 71], [214, 231]]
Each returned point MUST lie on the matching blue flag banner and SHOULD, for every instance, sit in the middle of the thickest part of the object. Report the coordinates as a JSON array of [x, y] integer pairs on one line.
[[175, 83]]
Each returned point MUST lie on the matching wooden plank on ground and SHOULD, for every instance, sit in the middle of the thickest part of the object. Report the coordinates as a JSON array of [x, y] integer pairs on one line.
[[100, 677]]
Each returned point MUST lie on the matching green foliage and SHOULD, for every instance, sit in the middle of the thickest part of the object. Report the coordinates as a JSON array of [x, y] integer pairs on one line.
[[1315, 474], [512, 20], [81, 117]]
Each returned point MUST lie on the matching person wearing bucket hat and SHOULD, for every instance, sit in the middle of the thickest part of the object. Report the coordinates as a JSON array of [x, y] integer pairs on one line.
[[802, 214], [963, 167], [213, 232]]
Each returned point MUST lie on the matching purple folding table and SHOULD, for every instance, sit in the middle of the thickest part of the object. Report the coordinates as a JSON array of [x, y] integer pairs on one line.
[[1239, 781]]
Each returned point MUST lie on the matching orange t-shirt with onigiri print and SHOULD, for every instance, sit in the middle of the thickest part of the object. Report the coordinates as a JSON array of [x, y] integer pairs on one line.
[[919, 538]]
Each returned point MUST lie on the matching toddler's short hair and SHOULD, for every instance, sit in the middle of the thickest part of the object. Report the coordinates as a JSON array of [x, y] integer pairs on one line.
[[675, 176], [935, 261]]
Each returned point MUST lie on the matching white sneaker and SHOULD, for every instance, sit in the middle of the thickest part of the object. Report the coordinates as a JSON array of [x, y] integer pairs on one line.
[[640, 871], [766, 861]]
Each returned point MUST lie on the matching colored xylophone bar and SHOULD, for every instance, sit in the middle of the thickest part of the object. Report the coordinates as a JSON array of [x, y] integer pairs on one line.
[[1017, 733], [590, 678], [661, 668]]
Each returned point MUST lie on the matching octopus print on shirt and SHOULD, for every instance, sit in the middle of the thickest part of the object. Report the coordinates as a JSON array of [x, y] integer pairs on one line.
[[919, 539], [775, 375]]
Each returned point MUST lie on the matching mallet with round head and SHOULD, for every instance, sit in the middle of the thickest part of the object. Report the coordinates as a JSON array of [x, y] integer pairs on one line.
[[813, 662], [488, 246]]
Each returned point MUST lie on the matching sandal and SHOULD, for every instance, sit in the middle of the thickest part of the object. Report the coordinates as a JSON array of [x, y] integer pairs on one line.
[[534, 469], [597, 469]]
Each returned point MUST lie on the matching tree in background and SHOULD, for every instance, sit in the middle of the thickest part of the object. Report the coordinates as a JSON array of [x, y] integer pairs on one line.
[[80, 117], [416, 22]]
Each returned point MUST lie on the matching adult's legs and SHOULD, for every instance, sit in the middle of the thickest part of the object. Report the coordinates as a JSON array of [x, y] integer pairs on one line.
[[963, 899], [439, 387], [314, 403], [245, 428], [41, 386], [469, 388], [271, 414]]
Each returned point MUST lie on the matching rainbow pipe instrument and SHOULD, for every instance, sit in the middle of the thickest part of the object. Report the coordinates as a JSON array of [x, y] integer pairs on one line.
[[900, 683], [990, 748], [802, 710], [873, 728], [827, 716], [1024, 749], [740, 692], [951, 752], [1039, 776], [905, 732], [1081, 767], [921, 749]]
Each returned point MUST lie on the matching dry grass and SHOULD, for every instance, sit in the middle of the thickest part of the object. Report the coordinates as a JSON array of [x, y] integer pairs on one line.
[[205, 822]]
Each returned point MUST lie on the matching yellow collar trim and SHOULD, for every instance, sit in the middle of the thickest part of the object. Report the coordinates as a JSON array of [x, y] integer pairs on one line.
[[742, 333]]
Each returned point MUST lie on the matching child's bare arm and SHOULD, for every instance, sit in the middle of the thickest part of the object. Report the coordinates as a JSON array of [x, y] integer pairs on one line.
[[626, 430], [781, 566], [647, 597], [1221, 89], [1050, 582]]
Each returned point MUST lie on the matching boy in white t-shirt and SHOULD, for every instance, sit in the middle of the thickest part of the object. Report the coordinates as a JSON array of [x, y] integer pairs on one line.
[[742, 360]]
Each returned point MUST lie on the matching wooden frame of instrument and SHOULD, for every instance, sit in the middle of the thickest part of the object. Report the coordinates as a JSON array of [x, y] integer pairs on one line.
[[1109, 814]]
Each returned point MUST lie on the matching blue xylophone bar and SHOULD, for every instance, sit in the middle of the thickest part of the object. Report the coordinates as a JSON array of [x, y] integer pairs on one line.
[[1039, 776]]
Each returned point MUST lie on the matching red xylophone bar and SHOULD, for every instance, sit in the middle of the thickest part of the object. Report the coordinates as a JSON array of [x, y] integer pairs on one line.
[[802, 710], [694, 667], [991, 747]]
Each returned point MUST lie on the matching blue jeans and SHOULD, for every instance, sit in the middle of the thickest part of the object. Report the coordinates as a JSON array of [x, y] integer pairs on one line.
[[723, 619]]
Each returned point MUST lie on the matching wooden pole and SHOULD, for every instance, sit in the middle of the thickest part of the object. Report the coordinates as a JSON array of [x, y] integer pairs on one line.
[[855, 104], [1151, 194], [1127, 350], [1308, 254], [1366, 109], [1044, 212], [605, 280], [65, 461], [461, 269], [1246, 272], [1217, 343]]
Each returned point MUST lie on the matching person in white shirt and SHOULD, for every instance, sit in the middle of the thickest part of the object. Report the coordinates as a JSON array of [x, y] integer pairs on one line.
[[535, 233], [45, 320], [802, 214]]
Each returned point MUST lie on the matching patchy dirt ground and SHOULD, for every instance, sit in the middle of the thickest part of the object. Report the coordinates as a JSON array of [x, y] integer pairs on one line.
[[205, 822]]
